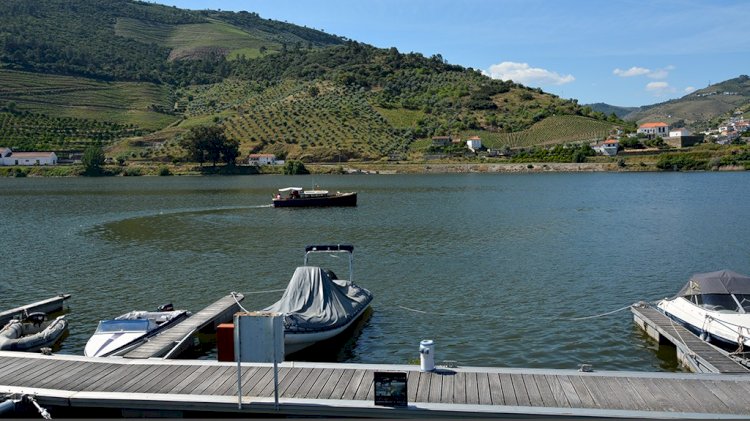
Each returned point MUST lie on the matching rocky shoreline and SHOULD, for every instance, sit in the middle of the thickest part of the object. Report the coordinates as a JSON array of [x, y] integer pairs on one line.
[[447, 168]]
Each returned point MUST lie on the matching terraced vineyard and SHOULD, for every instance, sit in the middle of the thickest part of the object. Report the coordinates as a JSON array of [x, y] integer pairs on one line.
[[332, 123], [145, 105], [550, 131], [35, 132]]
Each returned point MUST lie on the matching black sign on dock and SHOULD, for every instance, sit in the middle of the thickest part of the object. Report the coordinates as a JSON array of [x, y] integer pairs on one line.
[[390, 388]]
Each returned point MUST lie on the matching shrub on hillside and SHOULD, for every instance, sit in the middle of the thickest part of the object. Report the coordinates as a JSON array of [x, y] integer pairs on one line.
[[678, 162]]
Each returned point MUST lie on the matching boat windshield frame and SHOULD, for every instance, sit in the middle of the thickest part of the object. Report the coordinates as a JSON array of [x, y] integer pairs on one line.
[[333, 248], [720, 302], [124, 325]]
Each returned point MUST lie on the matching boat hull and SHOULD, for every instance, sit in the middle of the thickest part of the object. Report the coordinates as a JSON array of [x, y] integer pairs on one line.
[[112, 343], [724, 328], [27, 337], [342, 199], [297, 341]]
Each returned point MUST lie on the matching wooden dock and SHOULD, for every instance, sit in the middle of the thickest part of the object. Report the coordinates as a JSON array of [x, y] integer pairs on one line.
[[178, 338], [182, 388], [693, 352], [50, 305]]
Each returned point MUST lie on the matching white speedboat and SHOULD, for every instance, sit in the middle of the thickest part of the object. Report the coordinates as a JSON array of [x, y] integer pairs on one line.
[[317, 306], [715, 306], [116, 336]]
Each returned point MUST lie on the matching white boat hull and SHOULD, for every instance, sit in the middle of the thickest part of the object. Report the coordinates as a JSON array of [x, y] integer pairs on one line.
[[105, 343], [728, 326]]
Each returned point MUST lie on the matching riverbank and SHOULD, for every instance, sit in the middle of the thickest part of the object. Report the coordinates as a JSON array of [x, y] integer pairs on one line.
[[702, 158], [134, 170]]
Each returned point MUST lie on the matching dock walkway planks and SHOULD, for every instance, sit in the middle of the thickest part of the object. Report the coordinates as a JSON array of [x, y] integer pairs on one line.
[[169, 343], [50, 305], [346, 390], [693, 351]]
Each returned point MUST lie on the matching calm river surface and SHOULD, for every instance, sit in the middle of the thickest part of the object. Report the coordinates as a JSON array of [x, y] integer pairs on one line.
[[493, 267]]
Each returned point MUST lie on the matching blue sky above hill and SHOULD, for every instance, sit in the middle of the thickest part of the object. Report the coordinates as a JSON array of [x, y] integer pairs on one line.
[[622, 52]]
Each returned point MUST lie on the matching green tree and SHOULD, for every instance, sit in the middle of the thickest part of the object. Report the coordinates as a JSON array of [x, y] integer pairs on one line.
[[295, 167], [93, 160], [230, 150], [208, 143]]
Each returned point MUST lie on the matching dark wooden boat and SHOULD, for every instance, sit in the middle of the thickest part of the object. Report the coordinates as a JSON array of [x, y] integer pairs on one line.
[[297, 197]]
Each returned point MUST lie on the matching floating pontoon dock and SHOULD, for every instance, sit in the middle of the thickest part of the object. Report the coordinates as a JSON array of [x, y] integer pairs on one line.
[[176, 339], [693, 352], [182, 388], [50, 305]]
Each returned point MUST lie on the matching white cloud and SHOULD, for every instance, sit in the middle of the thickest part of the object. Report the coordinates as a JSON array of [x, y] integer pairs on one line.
[[527, 75], [633, 71], [660, 73], [689, 89], [642, 71], [659, 88]]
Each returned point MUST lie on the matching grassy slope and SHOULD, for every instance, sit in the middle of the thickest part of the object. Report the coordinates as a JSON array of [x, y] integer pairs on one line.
[[190, 40], [77, 97], [287, 118]]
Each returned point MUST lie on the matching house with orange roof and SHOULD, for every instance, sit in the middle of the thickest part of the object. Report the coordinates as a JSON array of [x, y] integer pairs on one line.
[[609, 147], [653, 130], [474, 143]]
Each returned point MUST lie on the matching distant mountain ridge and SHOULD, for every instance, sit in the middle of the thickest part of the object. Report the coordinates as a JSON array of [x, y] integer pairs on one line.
[[609, 109], [699, 108]]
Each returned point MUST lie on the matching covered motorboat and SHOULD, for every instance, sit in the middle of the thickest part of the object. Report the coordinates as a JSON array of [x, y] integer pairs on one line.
[[317, 306], [292, 197], [32, 334], [117, 336], [715, 306]]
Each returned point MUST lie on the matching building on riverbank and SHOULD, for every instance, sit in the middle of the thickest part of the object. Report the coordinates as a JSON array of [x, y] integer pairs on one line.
[[652, 130], [10, 158]]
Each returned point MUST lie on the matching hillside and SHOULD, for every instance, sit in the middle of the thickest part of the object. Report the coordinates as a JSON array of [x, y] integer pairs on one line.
[[608, 109], [135, 76], [701, 106]]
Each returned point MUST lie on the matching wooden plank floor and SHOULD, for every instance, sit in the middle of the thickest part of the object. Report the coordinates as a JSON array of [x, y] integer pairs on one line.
[[161, 344], [706, 356], [331, 388]]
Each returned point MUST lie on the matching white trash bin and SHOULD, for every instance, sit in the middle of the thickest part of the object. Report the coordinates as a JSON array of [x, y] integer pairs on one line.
[[427, 355]]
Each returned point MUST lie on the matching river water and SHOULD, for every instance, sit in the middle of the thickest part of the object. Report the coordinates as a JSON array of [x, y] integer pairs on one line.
[[498, 269]]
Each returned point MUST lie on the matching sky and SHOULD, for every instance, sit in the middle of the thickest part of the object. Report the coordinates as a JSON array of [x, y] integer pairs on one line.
[[621, 52]]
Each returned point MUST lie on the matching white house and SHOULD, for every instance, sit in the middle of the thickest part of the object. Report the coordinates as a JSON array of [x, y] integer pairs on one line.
[[654, 129], [474, 143], [8, 157], [679, 132], [261, 159], [608, 148]]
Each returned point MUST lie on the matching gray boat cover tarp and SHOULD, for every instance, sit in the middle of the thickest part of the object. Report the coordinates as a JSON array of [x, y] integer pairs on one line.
[[721, 282], [314, 302]]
